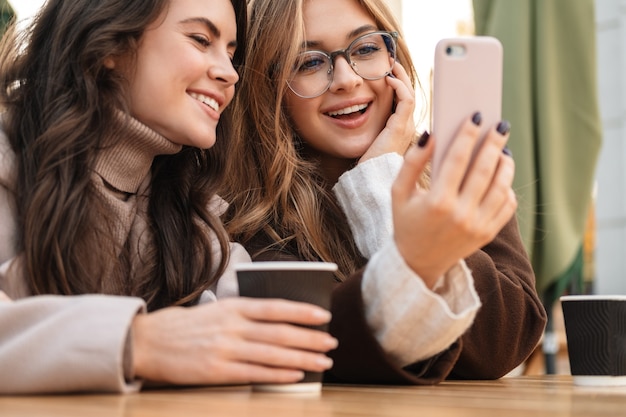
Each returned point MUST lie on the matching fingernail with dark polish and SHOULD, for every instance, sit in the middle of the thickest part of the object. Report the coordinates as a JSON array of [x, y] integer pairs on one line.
[[477, 118], [507, 151], [503, 127], [423, 140]]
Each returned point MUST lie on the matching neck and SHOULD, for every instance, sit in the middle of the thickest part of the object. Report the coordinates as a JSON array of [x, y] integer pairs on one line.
[[333, 168], [127, 156]]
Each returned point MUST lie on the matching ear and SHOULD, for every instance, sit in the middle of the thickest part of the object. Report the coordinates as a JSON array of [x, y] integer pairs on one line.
[[109, 62]]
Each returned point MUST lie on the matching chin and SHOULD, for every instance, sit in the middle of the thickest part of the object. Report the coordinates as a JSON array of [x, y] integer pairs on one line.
[[205, 144], [360, 151], [203, 139], [208, 143]]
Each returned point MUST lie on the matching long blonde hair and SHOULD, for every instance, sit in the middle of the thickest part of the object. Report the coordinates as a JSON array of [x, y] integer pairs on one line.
[[277, 195]]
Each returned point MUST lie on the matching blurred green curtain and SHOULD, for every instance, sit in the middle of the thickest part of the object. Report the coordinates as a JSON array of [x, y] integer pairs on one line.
[[550, 98], [6, 14]]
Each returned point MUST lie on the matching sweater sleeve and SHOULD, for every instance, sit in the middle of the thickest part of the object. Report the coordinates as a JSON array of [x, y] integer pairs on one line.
[[364, 194], [227, 285], [410, 321], [66, 343]]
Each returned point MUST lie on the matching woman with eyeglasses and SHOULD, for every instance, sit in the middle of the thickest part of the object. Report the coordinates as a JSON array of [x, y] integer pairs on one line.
[[433, 279]]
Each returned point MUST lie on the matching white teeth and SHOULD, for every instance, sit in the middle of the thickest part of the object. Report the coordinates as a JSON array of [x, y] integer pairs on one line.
[[206, 100], [348, 110]]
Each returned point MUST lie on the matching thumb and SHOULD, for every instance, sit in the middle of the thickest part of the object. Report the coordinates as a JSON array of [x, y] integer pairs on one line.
[[415, 161]]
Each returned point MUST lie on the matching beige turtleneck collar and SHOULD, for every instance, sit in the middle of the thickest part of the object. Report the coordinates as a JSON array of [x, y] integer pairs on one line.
[[125, 163]]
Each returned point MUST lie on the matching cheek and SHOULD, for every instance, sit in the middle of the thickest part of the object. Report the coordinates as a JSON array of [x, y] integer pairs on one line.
[[387, 103], [387, 97], [230, 94]]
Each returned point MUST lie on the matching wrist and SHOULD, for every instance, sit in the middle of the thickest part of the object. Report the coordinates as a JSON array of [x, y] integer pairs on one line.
[[428, 272], [135, 348]]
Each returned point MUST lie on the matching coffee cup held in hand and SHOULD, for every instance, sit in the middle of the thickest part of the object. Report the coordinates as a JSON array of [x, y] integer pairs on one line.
[[308, 282]]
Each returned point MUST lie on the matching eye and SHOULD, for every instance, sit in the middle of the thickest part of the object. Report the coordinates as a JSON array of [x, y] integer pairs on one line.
[[201, 39], [310, 62], [366, 49]]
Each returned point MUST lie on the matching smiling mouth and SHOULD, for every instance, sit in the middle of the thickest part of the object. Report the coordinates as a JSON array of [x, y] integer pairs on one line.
[[208, 101], [348, 111]]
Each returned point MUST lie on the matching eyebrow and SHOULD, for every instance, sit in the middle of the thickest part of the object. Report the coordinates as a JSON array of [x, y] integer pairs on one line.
[[210, 27], [352, 34]]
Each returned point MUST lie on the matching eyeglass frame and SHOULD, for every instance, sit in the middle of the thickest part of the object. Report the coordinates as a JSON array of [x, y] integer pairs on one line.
[[344, 53]]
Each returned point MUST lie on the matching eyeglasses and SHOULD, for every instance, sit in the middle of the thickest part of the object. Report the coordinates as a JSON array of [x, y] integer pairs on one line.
[[371, 56]]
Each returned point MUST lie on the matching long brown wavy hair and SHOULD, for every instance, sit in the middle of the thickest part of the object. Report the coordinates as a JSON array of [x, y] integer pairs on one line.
[[59, 103], [277, 194]]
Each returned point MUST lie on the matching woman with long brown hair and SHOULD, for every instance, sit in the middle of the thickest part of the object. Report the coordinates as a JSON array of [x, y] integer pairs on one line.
[[433, 279], [108, 174]]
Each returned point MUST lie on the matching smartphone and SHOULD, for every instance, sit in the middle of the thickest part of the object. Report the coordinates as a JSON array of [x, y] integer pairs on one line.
[[467, 77]]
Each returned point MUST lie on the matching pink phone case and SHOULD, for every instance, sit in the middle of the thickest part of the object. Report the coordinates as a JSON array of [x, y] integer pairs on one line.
[[467, 77]]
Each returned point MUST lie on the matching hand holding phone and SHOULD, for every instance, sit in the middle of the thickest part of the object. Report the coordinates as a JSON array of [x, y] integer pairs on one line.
[[467, 78], [470, 197]]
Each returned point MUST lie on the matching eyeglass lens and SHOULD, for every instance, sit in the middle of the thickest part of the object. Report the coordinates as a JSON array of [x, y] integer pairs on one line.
[[371, 56]]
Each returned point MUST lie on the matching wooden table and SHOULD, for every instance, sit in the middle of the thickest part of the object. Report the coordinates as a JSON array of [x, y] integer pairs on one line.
[[552, 396]]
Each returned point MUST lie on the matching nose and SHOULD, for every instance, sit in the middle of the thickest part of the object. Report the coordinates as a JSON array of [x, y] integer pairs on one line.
[[344, 76], [221, 68]]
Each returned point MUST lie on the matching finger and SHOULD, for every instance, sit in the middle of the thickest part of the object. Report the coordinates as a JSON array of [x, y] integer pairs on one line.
[[500, 203], [279, 310], [480, 176], [400, 78], [457, 158], [209, 370], [399, 72], [415, 161], [506, 212], [234, 372], [405, 97], [290, 336], [280, 357], [500, 187]]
